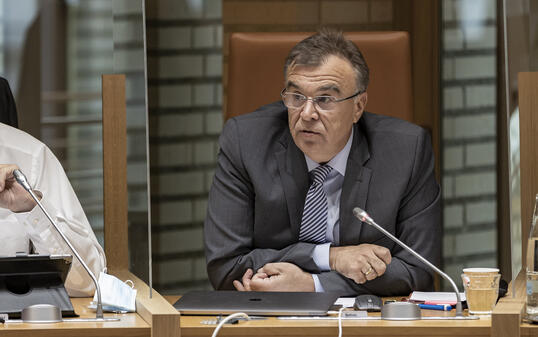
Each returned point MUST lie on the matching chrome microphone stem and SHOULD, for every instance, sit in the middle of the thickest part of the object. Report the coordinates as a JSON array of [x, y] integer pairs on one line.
[[364, 217], [22, 180]]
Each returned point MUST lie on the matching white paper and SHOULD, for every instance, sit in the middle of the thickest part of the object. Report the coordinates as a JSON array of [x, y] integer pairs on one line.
[[435, 297], [346, 302]]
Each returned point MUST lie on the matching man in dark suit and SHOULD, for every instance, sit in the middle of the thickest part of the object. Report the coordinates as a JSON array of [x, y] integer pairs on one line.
[[8, 110], [269, 227]]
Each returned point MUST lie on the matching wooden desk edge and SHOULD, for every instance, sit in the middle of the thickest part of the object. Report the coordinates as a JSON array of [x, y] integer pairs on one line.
[[156, 311], [506, 316]]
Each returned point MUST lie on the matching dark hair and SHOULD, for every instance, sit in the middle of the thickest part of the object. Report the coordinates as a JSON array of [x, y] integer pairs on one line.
[[315, 49]]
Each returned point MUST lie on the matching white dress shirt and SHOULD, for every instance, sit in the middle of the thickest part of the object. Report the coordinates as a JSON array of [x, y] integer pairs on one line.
[[45, 174], [333, 189]]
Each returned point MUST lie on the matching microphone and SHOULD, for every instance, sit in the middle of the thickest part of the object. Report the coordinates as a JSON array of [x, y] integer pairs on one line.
[[364, 217], [21, 179]]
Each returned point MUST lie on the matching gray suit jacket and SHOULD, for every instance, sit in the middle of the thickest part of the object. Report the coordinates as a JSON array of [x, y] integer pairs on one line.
[[260, 184]]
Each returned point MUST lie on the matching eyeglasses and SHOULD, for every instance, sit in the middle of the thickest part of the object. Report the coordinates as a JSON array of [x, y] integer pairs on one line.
[[324, 103]]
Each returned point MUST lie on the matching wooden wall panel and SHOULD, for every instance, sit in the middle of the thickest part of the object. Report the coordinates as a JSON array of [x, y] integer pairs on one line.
[[343, 12], [426, 70], [270, 12], [528, 129]]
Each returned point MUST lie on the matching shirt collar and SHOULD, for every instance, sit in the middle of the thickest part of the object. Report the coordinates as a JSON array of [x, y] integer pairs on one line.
[[338, 162]]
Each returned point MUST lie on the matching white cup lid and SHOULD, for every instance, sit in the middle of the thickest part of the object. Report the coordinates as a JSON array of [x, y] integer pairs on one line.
[[480, 270]]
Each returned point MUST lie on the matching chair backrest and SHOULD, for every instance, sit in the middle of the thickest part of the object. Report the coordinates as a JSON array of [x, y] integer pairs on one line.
[[256, 70]]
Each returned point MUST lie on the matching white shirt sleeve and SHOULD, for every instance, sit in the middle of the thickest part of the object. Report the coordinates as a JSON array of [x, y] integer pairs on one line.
[[317, 284], [47, 176], [321, 256]]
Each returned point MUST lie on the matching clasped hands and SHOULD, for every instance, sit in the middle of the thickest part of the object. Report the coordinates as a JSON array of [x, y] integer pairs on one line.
[[360, 263]]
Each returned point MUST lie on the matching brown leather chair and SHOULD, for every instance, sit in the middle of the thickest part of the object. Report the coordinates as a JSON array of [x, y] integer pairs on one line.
[[256, 75]]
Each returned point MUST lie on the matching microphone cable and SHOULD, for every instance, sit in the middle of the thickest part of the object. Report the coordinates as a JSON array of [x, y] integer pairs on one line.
[[226, 319], [340, 320]]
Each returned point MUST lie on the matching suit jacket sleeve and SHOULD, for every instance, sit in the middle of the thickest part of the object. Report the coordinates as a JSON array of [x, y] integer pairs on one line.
[[229, 225], [418, 226], [8, 109]]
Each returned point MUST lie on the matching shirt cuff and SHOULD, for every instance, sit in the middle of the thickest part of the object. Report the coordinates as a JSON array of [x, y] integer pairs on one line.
[[33, 213], [44, 237], [317, 284], [321, 256]]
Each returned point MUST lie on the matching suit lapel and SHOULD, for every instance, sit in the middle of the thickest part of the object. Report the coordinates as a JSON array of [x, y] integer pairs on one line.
[[294, 174], [354, 189]]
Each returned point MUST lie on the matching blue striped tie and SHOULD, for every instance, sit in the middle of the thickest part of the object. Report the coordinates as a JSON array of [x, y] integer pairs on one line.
[[314, 223]]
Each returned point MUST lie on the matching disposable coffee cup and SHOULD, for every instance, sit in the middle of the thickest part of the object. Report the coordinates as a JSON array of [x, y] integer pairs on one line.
[[481, 291]]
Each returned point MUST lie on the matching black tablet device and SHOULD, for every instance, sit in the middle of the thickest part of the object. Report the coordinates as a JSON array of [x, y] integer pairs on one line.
[[34, 279]]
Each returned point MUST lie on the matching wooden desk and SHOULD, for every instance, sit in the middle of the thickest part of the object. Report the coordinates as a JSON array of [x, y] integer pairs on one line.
[[129, 325], [155, 317], [528, 329], [507, 314], [191, 326]]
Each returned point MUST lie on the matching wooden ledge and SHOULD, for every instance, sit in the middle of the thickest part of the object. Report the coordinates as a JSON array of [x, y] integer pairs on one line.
[[156, 311], [507, 314]]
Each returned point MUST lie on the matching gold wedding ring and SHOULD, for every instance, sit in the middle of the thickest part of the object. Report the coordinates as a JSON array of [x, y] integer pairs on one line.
[[366, 273]]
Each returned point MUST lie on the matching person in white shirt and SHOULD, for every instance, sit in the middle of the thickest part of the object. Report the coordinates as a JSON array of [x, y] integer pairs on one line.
[[22, 221]]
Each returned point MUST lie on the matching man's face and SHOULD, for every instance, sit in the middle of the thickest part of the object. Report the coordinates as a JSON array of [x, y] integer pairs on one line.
[[322, 134]]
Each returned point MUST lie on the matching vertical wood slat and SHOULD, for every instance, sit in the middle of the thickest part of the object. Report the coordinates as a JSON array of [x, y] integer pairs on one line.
[[507, 314], [156, 311], [115, 171], [426, 71], [421, 19], [528, 131]]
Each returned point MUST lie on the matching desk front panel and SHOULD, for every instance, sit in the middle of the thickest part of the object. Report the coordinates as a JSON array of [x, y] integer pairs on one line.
[[527, 329], [131, 325], [191, 326]]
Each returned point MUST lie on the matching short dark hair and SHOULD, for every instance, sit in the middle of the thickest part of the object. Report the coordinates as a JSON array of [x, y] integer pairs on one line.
[[315, 49]]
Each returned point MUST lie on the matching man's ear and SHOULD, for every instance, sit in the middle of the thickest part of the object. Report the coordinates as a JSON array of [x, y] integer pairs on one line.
[[360, 105]]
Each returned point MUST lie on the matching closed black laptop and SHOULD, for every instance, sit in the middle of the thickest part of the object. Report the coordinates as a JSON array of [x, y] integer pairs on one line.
[[255, 303]]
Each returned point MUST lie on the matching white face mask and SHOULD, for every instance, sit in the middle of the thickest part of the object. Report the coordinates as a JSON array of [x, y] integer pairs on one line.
[[116, 295]]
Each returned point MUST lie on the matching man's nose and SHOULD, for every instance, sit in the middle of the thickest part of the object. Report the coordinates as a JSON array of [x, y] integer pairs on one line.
[[309, 111]]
